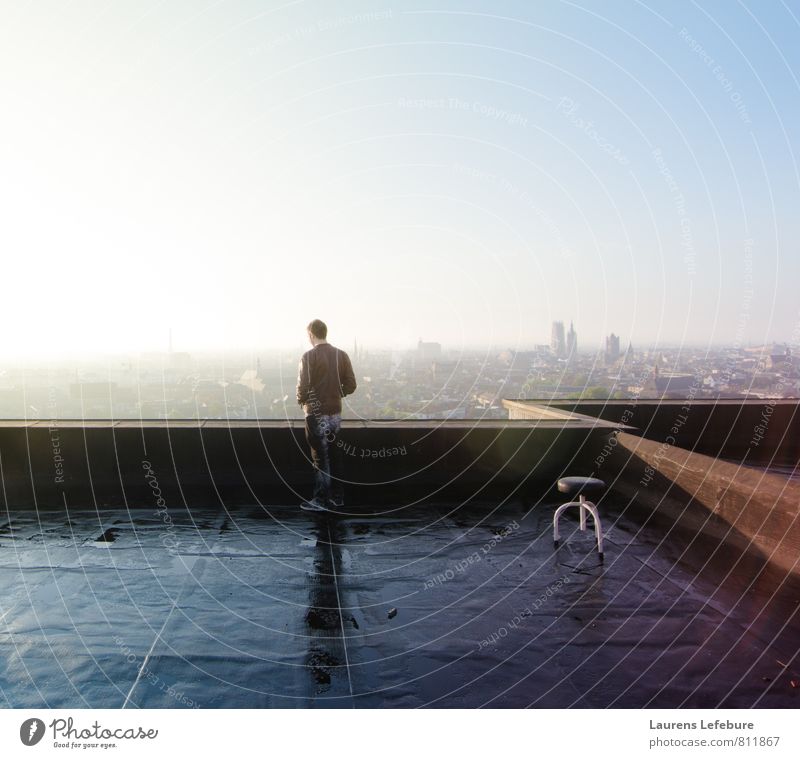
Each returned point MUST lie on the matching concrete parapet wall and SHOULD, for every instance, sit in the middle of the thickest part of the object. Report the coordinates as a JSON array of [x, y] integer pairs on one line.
[[759, 509], [88, 465]]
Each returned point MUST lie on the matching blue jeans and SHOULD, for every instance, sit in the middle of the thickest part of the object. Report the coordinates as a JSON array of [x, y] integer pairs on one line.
[[322, 431]]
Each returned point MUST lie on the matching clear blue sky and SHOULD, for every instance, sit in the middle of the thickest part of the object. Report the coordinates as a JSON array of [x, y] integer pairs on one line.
[[465, 172]]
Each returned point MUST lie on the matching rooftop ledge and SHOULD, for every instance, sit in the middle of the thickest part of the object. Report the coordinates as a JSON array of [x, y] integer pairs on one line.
[[552, 419]]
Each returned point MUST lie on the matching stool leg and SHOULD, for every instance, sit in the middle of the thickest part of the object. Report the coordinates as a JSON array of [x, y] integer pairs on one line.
[[598, 527], [556, 516], [583, 505]]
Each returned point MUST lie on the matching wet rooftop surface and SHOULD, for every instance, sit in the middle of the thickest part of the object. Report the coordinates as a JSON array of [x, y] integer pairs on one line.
[[434, 605]]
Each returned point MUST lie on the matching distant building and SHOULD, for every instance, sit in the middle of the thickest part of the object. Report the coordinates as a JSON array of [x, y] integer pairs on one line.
[[612, 348], [484, 400], [627, 359], [667, 384], [572, 341], [427, 352], [177, 362], [558, 342], [252, 379], [358, 352], [779, 359]]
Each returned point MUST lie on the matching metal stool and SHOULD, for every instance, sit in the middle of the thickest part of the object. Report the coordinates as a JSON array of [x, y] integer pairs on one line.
[[581, 486]]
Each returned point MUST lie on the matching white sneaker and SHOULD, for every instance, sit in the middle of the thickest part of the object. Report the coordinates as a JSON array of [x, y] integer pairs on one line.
[[315, 504]]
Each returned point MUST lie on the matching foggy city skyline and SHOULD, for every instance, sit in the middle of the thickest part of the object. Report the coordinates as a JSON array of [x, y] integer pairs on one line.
[[196, 180]]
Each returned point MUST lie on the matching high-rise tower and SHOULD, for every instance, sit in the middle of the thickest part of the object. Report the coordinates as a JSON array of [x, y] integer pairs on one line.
[[558, 343], [572, 341], [612, 348]]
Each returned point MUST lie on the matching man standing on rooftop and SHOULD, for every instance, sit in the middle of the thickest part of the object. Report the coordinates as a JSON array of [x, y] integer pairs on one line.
[[324, 377]]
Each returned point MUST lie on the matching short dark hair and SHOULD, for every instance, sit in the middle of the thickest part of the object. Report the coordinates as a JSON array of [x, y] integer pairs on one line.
[[318, 329]]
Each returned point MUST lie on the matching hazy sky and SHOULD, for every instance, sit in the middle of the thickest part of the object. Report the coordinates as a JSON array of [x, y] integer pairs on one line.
[[458, 171]]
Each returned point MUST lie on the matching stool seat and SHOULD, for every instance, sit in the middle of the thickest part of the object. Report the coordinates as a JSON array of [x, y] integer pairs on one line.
[[581, 485]]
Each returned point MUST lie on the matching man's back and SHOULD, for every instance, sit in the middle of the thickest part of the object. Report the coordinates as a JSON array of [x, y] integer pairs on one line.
[[325, 376]]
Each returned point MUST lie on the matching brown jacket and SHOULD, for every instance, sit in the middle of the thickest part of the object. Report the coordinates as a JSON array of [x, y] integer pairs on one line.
[[324, 377]]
